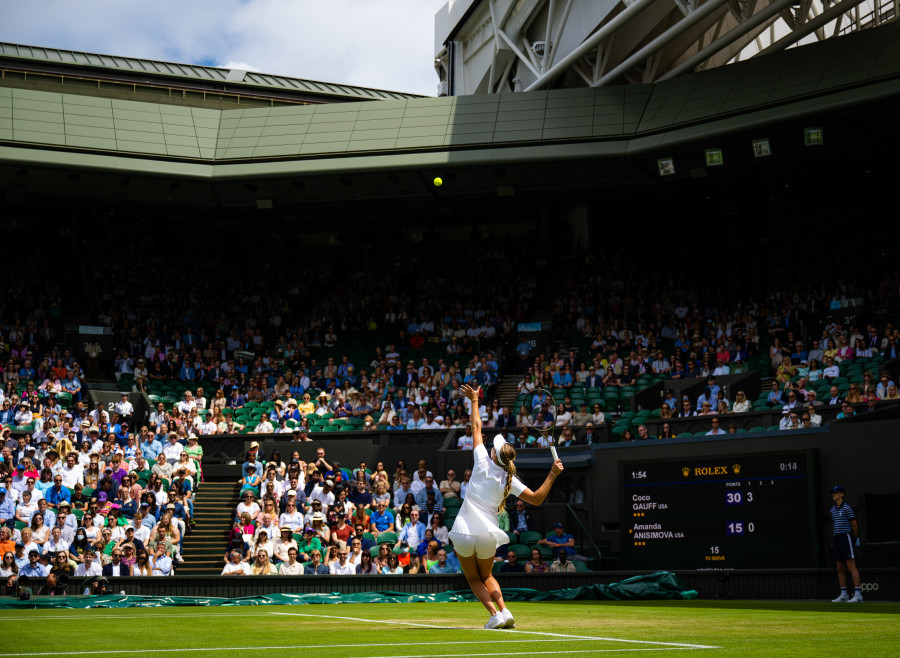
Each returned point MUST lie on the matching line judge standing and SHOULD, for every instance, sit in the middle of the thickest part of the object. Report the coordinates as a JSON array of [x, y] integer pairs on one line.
[[846, 538]]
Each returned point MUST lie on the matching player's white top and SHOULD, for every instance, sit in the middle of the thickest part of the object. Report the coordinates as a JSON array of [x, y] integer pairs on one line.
[[478, 514]]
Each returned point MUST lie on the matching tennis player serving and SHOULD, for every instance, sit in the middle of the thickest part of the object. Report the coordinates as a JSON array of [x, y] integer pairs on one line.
[[476, 534]]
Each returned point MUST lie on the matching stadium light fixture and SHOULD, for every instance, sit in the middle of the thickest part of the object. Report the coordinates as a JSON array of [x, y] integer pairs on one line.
[[813, 136], [715, 158], [761, 148], [666, 166]]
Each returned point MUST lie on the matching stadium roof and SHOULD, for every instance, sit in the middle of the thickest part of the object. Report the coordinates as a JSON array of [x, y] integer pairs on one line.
[[191, 72], [609, 135]]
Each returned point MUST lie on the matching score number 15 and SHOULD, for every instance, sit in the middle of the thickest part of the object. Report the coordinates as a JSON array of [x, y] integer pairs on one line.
[[737, 528]]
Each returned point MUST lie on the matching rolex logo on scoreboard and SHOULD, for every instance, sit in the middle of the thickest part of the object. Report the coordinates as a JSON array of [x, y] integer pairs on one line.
[[700, 471]]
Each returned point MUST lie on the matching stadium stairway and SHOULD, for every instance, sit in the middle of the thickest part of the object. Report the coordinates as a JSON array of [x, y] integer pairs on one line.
[[213, 513], [541, 308], [508, 390]]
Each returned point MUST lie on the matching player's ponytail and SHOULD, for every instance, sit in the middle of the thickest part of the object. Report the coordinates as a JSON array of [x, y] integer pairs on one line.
[[507, 455]]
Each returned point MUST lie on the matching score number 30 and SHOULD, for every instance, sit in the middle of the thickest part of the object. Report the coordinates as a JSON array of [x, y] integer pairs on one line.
[[737, 497]]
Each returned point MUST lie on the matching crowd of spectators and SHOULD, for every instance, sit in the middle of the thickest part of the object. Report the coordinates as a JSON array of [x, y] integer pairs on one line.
[[395, 396], [300, 518], [630, 328], [88, 504]]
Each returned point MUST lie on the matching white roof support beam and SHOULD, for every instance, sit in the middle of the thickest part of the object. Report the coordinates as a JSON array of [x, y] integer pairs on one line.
[[811, 26], [589, 44], [661, 41], [759, 18]]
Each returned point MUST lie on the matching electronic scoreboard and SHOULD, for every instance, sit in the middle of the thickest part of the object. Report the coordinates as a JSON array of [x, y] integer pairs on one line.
[[736, 512]]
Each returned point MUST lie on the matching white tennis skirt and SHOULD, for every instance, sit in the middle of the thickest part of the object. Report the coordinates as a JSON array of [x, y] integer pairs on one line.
[[474, 521]]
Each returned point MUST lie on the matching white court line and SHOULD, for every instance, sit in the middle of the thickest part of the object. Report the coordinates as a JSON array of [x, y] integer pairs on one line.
[[518, 653], [367, 645], [332, 646], [457, 628], [92, 616]]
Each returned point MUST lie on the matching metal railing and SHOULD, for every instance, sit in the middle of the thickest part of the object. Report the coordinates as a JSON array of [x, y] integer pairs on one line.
[[880, 12]]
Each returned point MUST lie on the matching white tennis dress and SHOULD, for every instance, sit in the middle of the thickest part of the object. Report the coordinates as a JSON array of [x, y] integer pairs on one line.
[[478, 515]]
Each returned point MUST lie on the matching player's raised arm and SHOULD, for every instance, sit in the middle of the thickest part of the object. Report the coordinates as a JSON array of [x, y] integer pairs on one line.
[[538, 497], [474, 416]]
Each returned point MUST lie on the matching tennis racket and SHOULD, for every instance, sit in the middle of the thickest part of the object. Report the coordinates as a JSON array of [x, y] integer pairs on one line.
[[543, 415]]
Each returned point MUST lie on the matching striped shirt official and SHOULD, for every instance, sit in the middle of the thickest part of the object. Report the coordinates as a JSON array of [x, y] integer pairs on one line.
[[841, 517]]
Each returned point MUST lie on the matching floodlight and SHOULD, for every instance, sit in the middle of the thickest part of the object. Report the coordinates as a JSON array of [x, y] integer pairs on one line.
[[761, 148], [666, 166], [715, 158], [813, 136]]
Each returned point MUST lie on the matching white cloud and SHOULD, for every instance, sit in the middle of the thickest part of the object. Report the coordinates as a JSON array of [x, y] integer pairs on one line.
[[385, 44], [241, 66]]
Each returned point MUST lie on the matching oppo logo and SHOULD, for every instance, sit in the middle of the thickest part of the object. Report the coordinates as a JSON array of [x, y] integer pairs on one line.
[[869, 587]]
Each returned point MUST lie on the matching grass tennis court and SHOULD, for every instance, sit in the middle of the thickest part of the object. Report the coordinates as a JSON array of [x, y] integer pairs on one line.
[[454, 629]]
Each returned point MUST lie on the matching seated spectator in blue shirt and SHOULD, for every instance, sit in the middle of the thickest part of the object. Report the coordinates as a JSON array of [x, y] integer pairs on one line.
[[414, 530], [559, 539], [799, 354], [360, 496], [442, 565], [422, 494], [57, 493], [150, 446], [34, 569], [315, 567], [7, 508], [365, 542], [381, 519], [416, 421], [775, 396], [512, 564]]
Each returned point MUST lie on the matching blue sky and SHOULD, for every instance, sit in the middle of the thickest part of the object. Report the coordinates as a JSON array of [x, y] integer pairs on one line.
[[386, 44]]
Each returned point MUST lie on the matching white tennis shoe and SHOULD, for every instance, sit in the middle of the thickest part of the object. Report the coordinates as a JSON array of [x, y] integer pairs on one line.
[[857, 598], [508, 619], [496, 621], [843, 598]]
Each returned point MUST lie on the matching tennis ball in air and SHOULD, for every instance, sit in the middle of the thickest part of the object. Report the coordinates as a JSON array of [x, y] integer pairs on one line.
[[438, 182]]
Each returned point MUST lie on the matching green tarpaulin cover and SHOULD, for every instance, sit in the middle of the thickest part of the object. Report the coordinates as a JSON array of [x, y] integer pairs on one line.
[[659, 585]]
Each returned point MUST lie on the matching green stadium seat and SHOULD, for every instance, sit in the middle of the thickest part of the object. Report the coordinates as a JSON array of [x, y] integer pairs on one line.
[[387, 538], [521, 550], [530, 538]]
